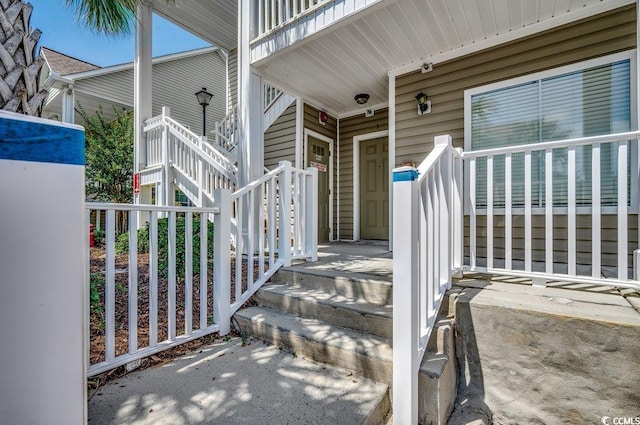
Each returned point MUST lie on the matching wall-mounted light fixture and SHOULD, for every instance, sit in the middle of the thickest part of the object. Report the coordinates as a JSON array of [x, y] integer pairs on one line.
[[424, 104], [361, 98]]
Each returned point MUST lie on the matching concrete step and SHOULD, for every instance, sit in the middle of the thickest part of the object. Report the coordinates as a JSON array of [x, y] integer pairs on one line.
[[359, 286], [331, 308], [365, 355]]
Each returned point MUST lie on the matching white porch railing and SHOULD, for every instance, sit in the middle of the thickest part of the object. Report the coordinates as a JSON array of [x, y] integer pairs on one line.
[[558, 206], [276, 221], [270, 95], [201, 167], [427, 251], [273, 13], [429, 218], [225, 133]]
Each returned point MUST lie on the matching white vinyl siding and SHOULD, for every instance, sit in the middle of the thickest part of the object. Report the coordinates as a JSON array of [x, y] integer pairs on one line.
[[588, 100]]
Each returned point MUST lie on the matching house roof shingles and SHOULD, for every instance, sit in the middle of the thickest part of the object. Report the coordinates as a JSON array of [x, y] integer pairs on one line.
[[63, 64]]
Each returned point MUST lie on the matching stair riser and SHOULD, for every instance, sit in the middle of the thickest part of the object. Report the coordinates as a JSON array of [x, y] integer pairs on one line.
[[374, 292], [359, 364], [345, 317]]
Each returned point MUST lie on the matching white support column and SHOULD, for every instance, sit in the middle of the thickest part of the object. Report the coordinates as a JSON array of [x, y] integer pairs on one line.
[[68, 104], [392, 150], [250, 117], [142, 71], [250, 111], [405, 301], [299, 131]]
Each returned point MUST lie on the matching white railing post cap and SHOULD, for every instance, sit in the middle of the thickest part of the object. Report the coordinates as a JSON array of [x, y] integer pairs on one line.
[[406, 173], [444, 140]]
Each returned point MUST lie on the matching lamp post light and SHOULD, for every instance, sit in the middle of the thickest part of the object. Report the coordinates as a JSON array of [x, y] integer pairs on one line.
[[204, 97]]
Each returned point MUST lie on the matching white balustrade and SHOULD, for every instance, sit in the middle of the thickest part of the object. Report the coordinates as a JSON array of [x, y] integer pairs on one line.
[[200, 167], [275, 13], [255, 234], [270, 95], [225, 133], [427, 252], [554, 205]]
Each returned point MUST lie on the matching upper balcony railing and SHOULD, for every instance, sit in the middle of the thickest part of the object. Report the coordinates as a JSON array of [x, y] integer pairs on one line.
[[274, 13]]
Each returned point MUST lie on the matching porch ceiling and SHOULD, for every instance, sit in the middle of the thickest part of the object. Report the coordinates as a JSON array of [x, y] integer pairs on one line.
[[355, 55], [215, 21]]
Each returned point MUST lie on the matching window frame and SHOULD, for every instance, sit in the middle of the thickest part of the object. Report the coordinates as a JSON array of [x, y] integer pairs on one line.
[[630, 55]]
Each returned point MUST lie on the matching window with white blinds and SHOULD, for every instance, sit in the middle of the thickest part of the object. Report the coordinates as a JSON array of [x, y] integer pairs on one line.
[[584, 102]]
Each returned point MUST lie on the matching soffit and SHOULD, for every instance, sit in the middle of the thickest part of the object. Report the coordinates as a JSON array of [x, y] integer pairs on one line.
[[215, 21], [355, 56]]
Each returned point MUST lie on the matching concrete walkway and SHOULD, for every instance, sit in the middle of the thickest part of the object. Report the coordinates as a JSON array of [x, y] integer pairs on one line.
[[236, 383]]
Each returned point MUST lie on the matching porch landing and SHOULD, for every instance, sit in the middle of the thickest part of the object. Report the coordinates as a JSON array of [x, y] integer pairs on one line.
[[357, 258]]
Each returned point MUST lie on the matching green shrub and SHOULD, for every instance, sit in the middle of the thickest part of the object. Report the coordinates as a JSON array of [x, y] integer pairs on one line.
[[96, 283], [98, 237], [122, 244]]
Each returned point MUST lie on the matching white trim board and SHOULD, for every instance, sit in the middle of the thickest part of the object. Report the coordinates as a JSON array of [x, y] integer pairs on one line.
[[356, 177], [329, 141]]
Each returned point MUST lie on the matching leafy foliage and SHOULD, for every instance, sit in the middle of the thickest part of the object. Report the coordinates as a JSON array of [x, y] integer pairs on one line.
[[113, 17], [109, 152], [122, 244]]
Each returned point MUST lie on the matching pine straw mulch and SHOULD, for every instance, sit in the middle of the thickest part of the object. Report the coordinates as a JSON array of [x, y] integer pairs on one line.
[[97, 315]]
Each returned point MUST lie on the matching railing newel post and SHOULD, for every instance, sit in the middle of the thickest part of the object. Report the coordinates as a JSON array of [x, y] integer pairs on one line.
[[405, 304], [284, 231], [222, 260], [458, 209]]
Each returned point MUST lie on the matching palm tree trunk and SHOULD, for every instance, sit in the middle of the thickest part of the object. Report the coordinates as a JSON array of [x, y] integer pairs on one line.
[[19, 68]]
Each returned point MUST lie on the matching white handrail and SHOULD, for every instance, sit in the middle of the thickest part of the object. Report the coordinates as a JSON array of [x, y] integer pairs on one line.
[[557, 144], [271, 95], [202, 167], [427, 251], [540, 209], [225, 132], [266, 238]]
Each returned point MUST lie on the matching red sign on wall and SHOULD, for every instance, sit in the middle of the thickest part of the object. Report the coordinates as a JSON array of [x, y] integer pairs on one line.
[[136, 183]]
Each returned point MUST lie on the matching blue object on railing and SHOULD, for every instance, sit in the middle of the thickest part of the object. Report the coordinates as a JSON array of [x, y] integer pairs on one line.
[[38, 140], [405, 174]]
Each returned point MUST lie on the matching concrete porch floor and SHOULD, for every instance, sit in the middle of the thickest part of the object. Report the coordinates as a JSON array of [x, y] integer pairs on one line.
[[363, 257], [231, 382]]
